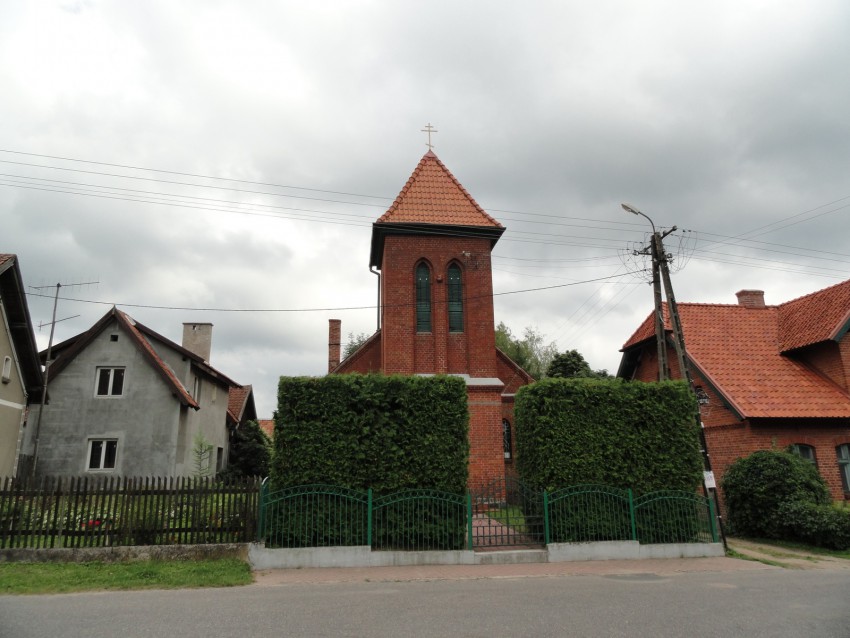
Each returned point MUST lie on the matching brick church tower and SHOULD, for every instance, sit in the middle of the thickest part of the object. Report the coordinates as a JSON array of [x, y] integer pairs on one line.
[[432, 248]]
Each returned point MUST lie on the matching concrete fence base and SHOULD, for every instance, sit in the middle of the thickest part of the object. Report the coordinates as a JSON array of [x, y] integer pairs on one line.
[[261, 557]]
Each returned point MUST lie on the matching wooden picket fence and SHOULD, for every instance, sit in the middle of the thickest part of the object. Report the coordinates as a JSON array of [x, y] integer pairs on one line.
[[95, 511]]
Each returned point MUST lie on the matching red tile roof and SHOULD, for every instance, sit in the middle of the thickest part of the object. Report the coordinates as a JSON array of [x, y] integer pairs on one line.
[[237, 397], [432, 195], [141, 336], [740, 351], [267, 426], [819, 316]]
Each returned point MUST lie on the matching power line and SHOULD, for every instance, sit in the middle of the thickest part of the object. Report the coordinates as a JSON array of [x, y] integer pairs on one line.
[[294, 310], [228, 179]]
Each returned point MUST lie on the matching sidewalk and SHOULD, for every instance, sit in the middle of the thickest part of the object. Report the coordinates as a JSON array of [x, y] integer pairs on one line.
[[273, 577]]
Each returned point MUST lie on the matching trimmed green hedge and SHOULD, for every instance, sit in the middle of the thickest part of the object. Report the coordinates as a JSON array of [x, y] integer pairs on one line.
[[387, 433], [638, 435]]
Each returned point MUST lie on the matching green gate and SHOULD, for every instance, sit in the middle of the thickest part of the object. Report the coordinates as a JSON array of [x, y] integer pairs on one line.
[[506, 513]]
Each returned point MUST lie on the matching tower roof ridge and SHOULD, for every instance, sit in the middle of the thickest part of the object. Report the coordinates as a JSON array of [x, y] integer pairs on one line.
[[433, 195]]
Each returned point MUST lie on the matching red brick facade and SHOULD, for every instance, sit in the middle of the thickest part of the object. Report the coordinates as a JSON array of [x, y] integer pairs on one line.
[[435, 222], [756, 395]]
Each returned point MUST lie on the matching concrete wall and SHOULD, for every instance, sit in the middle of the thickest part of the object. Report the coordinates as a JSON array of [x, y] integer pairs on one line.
[[144, 419], [13, 400], [210, 421], [362, 556]]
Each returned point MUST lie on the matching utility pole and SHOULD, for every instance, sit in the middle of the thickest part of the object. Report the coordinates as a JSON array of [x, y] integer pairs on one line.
[[660, 337], [660, 263], [46, 376]]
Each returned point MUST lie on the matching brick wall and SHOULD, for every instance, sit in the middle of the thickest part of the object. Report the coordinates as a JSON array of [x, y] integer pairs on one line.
[[486, 449], [733, 441], [438, 351]]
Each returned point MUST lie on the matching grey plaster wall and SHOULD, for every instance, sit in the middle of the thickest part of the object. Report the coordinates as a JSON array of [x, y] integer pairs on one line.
[[144, 419], [210, 421]]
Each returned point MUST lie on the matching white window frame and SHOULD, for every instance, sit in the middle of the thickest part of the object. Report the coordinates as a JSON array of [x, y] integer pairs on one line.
[[111, 384], [105, 441]]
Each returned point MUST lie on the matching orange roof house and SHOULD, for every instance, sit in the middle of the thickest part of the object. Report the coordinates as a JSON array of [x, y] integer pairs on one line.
[[432, 252], [766, 375]]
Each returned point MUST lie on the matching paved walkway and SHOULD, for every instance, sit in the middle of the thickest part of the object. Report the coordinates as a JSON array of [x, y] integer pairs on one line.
[[274, 577]]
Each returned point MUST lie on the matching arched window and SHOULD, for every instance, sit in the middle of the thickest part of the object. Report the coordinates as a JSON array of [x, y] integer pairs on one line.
[[423, 298], [804, 451], [506, 437], [455, 299], [843, 454]]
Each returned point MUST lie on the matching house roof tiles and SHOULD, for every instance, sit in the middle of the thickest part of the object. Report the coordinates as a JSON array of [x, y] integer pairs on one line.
[[742, 352]]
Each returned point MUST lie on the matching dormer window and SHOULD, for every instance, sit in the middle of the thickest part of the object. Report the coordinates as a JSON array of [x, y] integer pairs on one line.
[[423, 298]]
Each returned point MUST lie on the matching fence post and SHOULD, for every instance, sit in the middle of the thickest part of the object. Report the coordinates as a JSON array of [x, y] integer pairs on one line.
[[261, 526], [546, 537], [469, 538], [632, 515], [369, 518], [712, 519]]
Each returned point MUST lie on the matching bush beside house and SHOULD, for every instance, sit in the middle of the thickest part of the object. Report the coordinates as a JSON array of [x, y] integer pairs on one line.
[[778, 494]]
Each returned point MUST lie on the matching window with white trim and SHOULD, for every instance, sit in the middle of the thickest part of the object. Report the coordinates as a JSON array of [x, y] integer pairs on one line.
[[109, 382], [102, 454], [843, 454]]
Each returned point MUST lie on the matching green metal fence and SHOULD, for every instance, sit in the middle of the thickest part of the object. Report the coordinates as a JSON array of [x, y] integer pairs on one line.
[[587, 513], [420, 519], [315, 516], [671, 516]]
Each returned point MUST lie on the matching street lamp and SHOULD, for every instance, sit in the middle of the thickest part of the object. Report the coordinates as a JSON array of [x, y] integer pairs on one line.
[[656, 253], [634, 211]]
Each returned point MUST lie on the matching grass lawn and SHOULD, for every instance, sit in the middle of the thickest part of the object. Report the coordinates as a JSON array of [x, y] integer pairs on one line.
[[811, 549], [58, 578]]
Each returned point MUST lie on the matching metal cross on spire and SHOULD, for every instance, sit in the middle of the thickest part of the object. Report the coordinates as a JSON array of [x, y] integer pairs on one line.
[[429, 129]]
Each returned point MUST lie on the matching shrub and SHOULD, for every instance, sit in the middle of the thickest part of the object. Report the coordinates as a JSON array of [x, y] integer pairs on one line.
[[757, 486], [821, 525]]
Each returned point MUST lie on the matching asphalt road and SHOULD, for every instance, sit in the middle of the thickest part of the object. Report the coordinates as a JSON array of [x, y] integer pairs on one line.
[[765, 602]]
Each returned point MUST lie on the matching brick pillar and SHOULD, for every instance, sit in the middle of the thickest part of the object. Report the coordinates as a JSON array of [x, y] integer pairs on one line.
[[334, 343]]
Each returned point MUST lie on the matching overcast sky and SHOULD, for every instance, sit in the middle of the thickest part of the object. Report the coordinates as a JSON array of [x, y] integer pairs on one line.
[[232, 156]]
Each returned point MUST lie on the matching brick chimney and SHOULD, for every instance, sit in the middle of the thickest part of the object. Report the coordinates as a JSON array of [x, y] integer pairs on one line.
[[751, 298], [334, 342], [197, 338]]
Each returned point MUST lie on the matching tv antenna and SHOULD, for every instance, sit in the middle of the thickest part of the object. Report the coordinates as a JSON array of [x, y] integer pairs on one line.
[[46, 373]]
